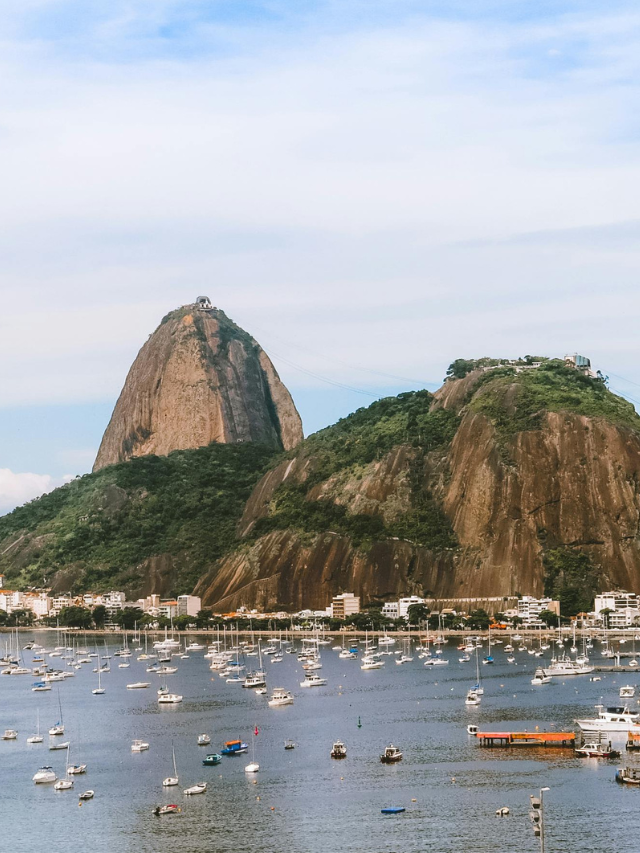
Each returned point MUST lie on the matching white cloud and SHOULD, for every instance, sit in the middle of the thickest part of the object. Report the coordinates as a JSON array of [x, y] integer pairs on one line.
[[18, 488]]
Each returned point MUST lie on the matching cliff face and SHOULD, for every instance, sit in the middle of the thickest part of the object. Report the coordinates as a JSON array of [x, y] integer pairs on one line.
[[566, 484], [199, 379]]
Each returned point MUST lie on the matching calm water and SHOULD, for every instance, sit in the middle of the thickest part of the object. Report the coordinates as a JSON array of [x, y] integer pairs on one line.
[[301, 801]]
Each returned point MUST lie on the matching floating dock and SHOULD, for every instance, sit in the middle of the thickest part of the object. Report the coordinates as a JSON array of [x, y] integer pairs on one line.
[[563, 740]]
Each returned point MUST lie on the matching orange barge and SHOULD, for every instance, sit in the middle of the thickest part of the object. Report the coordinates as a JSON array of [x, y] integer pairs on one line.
[[563, 740]]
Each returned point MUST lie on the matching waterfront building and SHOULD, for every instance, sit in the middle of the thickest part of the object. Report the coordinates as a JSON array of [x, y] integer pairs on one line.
[[530, 608], [345, 604], [624, 607], [400, 609], [189, 605]]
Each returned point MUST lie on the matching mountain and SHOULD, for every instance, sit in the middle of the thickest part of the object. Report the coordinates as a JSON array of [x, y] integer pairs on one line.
[[198, 379], [513, 479], [507, 481], [152, 524]]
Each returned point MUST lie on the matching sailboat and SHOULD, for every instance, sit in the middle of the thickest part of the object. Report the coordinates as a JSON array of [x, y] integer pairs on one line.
[[99, 689], [58, 729], [477, 688], [170, 781], [253, 767], [64, 784], [37, 738]]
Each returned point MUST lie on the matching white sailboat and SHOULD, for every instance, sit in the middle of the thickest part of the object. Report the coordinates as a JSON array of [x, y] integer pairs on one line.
[[58, 728], [253, 767], [477, 688], [170, 781], [37, 738], [64, 784], [99, 689]]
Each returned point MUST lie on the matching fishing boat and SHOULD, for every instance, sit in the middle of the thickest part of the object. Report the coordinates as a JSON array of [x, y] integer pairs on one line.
[[616, 719], [280, 696], [234, 747], [170, 781], [212, 760], [628, 775], [138, 685], [200, 788], [313, 681], [169, 699], [139, 746], [86, 795], [170, 808], [44, 776], [204, 740], [338, 750], [596, 749], [540, 677], [391, 755]]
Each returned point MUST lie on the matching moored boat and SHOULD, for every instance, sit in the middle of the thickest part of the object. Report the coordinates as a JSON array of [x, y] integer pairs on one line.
[[391, 755], [212, 760], [234, 747], [338, 750]]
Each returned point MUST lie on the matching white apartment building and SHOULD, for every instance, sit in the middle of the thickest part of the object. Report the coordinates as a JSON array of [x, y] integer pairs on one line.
[[38, 602], [400, 609], [189, 605], [391, 609], [625, 607], [11, 600], [530, 608]]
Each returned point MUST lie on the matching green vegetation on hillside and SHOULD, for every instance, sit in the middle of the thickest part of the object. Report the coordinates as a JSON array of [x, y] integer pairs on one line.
[[571, 578], [515, 402], [105, 524], [354, 442]]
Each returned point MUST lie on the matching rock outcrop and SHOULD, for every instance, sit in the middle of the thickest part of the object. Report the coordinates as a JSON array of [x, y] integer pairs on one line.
[[199, 379]]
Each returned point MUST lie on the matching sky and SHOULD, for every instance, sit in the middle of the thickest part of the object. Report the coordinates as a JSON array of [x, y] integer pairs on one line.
[[372, 189]]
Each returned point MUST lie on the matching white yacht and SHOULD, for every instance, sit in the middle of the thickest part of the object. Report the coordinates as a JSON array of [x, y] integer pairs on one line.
[[44, 776], [138, 685], [564, 666], [472, 698], [313, 681], [540, 677], [627, 692], [169, 699], [615, 719], [10, 734], [139, 746], [280, 696], [63, 785]]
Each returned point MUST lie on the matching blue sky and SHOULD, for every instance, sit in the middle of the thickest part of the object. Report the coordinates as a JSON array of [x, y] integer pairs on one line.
[[371, 188]]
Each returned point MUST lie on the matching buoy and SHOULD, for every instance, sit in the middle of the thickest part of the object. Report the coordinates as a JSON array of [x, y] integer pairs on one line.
[[273, 808], [257, 798], [359, 723]]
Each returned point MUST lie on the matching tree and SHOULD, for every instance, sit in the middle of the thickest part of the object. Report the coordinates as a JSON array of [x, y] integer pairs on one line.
[[99, 616], [75, 617], [417, 613], [128, 617], [459, 368], [549, 618], [479, 620]]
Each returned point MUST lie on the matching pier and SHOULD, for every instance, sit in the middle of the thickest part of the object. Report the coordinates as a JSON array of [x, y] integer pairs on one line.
[[563, 740]]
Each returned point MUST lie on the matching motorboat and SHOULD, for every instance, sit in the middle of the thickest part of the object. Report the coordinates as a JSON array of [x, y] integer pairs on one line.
[[280, 696], [313, 681], [472, 698], [64, 745], [391, 755], [596, 749], [40, 687], [465, 658], [628, 775], [170, 808], [169, 699], [167, 670], [472, 730], [627, 692], [436, 662], [76, 769], [338, 750], [563, 666], [139, 746], [616, 719], [204, 740], [255, 679], [58, 729], [10, 734], [234, 747], [63, 785], [86, 795], [138, 685], [200, 788], [371, 662], [540, 677], [45, 775], [195, 647], [212, 760], [289, 744]]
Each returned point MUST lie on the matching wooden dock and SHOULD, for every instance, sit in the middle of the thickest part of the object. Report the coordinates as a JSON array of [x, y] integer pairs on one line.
[[562, 740]]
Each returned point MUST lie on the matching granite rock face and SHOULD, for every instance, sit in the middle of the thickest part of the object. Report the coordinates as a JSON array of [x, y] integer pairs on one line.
[[199, 379]]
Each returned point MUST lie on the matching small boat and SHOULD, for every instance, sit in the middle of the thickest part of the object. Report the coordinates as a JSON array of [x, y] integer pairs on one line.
[[171, 781], [170, 808], [204, 740], [58, 729], [313, 681], [436, 662], [86, 795], [169, 699], [10, 734], [63, 785], [64, 745], [253, 767], [212, 760], [628, 775], [338, 750], [596, 749], [44, 775], [76, 769], [472, 698], [540, 677], [40, 687], [627, 692], [280, 696], [393, 810], [138, 685], [200, 788], [391, 754], [234, 747], [139, 746], [472, 730], [289, 744]]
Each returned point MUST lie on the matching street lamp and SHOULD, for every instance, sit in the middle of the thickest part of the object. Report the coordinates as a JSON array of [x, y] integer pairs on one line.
[[537, 816]]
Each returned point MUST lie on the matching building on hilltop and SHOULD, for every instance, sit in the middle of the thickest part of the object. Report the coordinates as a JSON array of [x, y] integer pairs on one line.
[[580, 363]]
